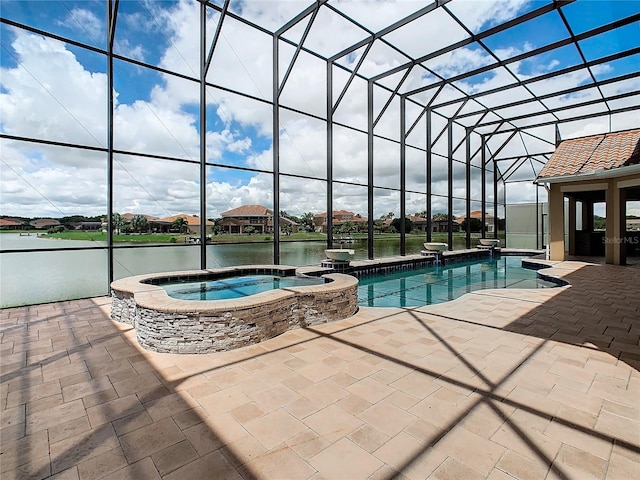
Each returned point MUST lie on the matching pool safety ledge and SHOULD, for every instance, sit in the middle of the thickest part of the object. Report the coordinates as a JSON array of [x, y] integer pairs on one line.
[[168, 325]]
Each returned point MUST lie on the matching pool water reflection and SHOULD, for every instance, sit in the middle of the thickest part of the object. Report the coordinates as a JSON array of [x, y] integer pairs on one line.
[[234, 287], [440, 284]]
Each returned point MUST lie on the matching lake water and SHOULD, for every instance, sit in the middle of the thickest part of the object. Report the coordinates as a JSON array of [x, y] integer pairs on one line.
[[46, 276]]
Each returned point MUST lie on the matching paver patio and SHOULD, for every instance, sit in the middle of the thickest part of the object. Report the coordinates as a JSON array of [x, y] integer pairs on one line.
[[501, 384]]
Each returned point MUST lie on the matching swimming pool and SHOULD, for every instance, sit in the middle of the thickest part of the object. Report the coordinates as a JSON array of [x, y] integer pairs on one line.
[[235, 287], [438, 284]]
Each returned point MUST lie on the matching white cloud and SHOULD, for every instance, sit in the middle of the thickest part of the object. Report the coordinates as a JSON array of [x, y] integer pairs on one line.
[[41, 95], [52, 95], [124, 47], [87, 21]]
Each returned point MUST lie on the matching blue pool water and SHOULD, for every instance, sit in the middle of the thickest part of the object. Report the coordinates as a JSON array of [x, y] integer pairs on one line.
[[440, 284], [234, 287]]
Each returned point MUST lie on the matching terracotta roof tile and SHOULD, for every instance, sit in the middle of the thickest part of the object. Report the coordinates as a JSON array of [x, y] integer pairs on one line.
[[248, 211], [129, 216], [597, 152], [6, 222], [474, 214], [44, 222], [335, 213], [191, 219]]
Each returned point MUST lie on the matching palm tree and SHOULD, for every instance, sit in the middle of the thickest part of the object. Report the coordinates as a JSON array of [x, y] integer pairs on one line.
[[307, 221], [347, 227], [117, 222], [139, 223], [179, 224]]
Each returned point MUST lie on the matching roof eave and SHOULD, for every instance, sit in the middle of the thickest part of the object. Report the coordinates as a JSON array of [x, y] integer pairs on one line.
[[591, 175]]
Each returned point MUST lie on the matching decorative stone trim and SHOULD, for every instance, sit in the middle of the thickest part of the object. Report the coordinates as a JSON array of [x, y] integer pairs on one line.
[[168, 325]]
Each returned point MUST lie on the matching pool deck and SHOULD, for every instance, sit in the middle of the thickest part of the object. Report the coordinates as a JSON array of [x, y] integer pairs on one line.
[[502, 384]]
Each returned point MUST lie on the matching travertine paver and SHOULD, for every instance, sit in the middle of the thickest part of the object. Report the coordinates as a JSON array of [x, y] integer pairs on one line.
[[503, 384]]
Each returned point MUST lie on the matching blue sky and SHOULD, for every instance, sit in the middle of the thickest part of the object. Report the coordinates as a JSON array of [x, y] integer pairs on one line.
[[56, 91]]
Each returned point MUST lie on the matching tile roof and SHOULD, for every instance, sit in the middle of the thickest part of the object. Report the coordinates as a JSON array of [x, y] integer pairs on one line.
[[44, 222], [191, 219], [597, 152], [335, 213], [248, 211], [129, 216], [7, 222], [474, 214]]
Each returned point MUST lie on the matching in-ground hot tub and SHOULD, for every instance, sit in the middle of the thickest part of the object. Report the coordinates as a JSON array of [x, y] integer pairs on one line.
[[236, 286], [172, 325]]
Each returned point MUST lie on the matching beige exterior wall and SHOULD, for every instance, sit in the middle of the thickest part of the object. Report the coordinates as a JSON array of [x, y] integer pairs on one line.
[[615, 247], [556, 223]]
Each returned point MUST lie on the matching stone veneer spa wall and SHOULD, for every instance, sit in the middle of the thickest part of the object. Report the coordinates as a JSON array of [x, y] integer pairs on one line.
[[167, 325]]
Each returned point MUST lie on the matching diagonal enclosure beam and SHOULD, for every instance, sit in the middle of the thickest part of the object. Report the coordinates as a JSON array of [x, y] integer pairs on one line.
[[463, 43], [515, 165], [534, 52], [391, 97], [502, 146], [558, 93], [216, 37], [629, 108], [408, 19], [597, 101], [297, 52], [352, 76], [298, 18], [112, 21]]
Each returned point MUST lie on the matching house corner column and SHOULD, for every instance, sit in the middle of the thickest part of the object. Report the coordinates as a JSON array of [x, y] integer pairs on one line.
[[615, 248], [572, 226], [556, 223]]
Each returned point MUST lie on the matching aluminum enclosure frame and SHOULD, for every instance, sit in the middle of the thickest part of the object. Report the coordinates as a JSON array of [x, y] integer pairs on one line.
[[470, 117]]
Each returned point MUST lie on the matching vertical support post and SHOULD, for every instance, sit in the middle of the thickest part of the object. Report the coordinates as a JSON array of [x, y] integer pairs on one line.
[[370, 168], [483, 179], [587, 215], [468, 187], [537, 216], [504, 209], [572, 226], [203, 136], [403, 175], [111, 19], [329, 154], [429, 163], [615, 247], [450, 184], [495, 199], [276, 153]]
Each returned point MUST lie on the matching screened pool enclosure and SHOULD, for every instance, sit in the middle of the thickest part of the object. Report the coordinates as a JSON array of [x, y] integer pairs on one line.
[[341, 116]]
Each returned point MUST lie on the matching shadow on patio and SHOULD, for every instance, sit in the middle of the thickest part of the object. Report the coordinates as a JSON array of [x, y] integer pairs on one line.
[[520, 383]]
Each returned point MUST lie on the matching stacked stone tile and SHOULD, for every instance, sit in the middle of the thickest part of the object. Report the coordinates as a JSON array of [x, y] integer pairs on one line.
[[168, 325]]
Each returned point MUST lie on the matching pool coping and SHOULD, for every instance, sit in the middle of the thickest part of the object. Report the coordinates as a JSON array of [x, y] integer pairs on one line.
[[360, 268], [153, 296]]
